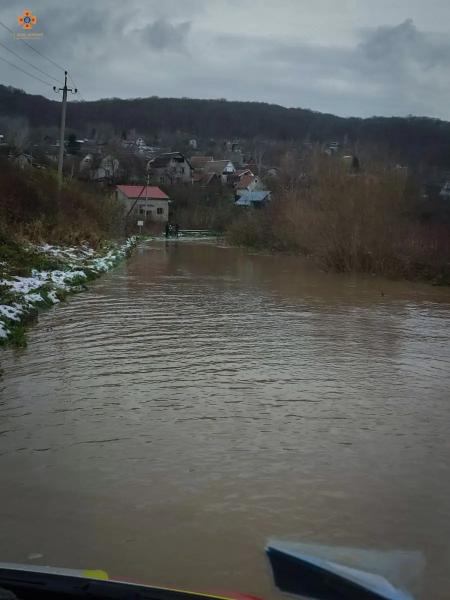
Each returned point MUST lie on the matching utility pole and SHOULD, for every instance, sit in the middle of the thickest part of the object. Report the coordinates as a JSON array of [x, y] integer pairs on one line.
[[64, 90], [147, 181]]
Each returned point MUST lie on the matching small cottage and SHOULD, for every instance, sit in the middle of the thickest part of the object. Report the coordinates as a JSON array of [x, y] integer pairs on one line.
[[171, 168], [146, 203], [224, 168]]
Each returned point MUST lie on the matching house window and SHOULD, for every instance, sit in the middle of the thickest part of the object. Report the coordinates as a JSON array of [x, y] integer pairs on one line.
[[149, 213], [141, 211], [159, 211]]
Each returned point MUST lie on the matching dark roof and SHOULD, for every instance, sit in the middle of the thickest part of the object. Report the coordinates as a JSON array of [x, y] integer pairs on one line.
[[217, 166], [206, 178], [198, 162], [163, 160]]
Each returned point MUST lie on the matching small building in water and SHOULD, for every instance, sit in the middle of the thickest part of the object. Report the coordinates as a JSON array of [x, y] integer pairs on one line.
[[146, 203]]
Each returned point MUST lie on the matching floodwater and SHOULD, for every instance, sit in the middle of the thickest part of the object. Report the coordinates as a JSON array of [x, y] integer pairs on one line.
[[199, 399]]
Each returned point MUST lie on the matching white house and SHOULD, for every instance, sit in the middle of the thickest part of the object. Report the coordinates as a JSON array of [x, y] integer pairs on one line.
[[146, 203]]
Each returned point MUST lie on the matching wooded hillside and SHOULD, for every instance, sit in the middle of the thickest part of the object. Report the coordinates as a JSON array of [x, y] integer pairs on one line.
[[415, 140]]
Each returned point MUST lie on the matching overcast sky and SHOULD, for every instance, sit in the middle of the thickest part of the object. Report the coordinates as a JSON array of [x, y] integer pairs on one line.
[[347, 57]]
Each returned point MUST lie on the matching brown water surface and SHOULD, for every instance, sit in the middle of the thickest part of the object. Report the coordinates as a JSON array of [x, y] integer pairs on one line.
[[198, 399]]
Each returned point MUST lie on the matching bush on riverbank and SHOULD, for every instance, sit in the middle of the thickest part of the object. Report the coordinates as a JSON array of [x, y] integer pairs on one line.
[[368, 222], [194, 207], [29, 209]]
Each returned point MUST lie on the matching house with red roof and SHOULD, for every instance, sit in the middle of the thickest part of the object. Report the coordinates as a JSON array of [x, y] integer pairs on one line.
[[245, 179], [145, 202]]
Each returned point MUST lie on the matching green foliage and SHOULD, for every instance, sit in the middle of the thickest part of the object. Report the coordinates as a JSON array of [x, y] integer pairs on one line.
[[21, 259], [17, 336], [78, 281]]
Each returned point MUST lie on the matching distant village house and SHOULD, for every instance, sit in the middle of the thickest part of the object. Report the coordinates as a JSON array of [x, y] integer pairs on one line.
[[171, 168], [146, 203], [223, 168]]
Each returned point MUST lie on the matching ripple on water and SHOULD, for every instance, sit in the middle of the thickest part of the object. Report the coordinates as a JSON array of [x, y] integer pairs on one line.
[[237, 397]]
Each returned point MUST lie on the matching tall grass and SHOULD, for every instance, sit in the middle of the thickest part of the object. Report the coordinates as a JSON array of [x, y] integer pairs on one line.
[[367, 221], [29, 209]]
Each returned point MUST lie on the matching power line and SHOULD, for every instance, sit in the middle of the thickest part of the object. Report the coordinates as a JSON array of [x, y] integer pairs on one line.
[[75, 85], [28, 62], [33, 48], [26, 72], [50, 60]]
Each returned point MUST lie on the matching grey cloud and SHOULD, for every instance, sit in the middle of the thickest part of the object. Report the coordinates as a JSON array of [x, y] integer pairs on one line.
[[392, 70], [163, 35], [405, 43], [392, 47], [212, 48]]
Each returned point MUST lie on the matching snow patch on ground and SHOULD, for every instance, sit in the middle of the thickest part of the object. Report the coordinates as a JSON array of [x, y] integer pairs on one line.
[[10, 312], [53, 297], [80, 263]]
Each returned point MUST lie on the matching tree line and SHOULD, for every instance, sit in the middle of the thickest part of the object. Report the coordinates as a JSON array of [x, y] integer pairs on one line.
[[410, 140]]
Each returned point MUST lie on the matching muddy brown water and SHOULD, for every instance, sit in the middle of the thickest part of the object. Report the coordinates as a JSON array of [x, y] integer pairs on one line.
[[199, 399]]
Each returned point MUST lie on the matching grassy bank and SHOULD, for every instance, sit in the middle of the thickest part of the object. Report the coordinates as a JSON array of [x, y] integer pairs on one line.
[[373, 221], [50, 244], [31, 210]]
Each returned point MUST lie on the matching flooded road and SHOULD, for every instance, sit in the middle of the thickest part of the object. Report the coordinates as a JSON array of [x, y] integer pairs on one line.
[[198, 400]]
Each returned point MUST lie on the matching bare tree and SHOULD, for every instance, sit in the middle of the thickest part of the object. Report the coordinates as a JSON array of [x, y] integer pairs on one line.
[[16, 131]]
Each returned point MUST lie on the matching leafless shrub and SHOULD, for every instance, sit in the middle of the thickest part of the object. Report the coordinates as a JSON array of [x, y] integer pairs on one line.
[[361, 221]]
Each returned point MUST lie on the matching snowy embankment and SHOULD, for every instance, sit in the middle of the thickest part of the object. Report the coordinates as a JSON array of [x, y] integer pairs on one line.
[[20, 297]]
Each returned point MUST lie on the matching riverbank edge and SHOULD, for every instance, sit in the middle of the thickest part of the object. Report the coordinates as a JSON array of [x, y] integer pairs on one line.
[[420, 275], [22, 297]]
